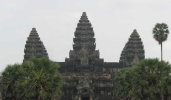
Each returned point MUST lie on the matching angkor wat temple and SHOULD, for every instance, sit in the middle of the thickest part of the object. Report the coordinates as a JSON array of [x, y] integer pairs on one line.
[[86, 75]]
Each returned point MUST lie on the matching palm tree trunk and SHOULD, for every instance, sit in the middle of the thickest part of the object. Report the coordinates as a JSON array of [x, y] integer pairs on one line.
[[161, 51], [166, 95]]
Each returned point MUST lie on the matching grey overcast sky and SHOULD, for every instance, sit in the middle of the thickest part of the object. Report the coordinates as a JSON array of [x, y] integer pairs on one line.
[[55, 20]]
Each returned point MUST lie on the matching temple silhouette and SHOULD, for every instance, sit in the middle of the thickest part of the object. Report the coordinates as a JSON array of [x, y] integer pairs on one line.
[[86, 75]]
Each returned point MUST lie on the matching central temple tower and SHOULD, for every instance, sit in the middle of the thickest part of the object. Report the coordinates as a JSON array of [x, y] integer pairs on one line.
[[84, 52], [84, 70]]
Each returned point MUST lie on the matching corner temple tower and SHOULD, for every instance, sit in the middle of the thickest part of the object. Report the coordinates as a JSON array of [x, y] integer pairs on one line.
[[133, 51], [34, 46]]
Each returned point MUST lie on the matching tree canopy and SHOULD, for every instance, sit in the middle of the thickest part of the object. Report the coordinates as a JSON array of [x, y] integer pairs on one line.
[[35, 79], [160, 32], [147, 80]]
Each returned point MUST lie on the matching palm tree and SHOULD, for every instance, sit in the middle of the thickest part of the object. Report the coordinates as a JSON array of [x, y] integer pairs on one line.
[[43, 80], [35, 79], [8, 81], [148, 80], [160, 33]]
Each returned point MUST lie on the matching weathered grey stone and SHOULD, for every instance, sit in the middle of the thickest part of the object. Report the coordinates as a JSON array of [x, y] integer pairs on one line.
[[34, 46], [133, 50], [86, 75], [84, 52]]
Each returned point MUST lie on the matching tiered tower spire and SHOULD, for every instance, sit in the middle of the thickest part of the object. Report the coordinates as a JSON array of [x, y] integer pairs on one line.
[[34, 46], [84, 52], [84, 35], [133, 50]]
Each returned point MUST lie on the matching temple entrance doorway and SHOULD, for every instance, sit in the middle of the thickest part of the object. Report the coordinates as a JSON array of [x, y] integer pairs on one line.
[[85, 98]]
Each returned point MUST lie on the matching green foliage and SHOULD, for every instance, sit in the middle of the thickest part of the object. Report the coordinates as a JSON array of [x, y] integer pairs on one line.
[[36, 79], [147, 80], [160, 32]]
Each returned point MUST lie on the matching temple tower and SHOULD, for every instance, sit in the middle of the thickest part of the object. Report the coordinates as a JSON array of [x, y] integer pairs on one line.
[[84, 52], [133, 50], [34, 46]]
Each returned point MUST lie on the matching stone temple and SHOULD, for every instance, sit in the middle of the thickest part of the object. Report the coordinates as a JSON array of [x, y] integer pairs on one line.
[[86, 75]]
